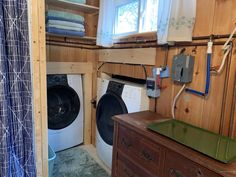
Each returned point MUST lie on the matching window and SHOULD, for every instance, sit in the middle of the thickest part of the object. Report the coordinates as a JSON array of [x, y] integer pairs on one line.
[[135, 16]]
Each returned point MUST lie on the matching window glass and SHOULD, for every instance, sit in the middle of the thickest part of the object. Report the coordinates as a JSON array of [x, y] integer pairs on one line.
[[148, 17], [135, 16], [127, 18]]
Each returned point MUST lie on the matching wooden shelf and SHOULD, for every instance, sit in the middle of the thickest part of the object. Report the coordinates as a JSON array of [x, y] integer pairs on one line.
[[88, 38], [73, 6]]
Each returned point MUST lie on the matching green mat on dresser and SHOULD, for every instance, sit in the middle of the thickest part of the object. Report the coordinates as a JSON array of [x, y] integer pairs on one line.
[[76, 162]]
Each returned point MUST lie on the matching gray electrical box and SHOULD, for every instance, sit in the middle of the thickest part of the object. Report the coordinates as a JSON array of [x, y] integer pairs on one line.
[[182, 68]]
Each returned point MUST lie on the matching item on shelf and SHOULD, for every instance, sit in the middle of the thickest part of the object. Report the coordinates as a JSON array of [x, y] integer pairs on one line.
[[64, 23], [78, 1], [65, 32], [65, 16]]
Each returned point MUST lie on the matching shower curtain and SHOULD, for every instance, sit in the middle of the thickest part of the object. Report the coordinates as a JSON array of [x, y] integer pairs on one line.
[[16, 125]]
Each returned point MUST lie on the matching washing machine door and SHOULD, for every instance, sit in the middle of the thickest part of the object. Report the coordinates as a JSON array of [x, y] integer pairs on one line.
[[63, 106], [109, 105]]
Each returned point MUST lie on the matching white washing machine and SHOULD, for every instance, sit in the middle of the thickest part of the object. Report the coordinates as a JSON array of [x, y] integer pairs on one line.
[[115, 97], [65, 111]]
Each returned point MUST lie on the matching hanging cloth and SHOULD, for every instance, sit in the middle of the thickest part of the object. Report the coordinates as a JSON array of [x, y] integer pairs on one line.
[[176, 20], [105, 23], [16, 120]]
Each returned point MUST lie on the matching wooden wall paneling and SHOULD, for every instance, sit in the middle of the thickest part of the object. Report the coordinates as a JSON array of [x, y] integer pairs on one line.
[[91, 22], [225, 16], [234, 132], [189, 106], [165, 100], [66, 54], [110, 68], [233, 116], [229, 95], [93, 2], [204, 17], [145, 56], [38, 57], [86, 69], [224, 23], [211, 116]]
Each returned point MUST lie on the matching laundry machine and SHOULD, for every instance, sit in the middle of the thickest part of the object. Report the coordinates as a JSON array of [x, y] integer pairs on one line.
[[65, 111], [115, 97]]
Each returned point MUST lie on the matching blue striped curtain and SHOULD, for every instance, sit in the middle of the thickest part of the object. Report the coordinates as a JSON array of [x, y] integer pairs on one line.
[[16, 125]]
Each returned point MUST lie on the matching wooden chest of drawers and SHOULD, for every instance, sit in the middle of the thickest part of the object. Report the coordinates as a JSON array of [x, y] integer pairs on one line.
[[138, 152]]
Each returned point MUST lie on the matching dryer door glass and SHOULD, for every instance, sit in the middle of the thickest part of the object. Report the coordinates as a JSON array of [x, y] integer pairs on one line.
[[63, 106], [109, 105]]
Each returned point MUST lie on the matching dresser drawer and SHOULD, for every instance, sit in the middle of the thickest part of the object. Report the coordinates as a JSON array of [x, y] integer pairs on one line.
[[125, 168], [140, 150], [178, 166]]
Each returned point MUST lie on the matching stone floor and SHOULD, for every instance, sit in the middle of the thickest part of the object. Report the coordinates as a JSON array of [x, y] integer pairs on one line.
[[92, 151], [81, 161]]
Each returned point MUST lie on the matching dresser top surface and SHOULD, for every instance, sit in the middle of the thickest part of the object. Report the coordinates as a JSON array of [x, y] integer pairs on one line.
[[139, 122]]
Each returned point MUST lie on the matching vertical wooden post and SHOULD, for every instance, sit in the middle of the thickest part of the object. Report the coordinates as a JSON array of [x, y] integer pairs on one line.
[[38, 58]]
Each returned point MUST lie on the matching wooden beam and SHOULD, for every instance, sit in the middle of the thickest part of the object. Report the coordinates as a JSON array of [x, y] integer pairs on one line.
[[69, 67], [86, 69], [145, 56], [38, 58]]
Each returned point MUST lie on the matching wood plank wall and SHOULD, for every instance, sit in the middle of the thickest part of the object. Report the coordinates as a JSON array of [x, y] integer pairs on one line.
[[213, 17], [214, 112]]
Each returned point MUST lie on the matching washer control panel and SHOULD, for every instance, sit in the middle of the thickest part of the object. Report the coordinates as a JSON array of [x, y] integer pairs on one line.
[[56, 79], [115, 87]]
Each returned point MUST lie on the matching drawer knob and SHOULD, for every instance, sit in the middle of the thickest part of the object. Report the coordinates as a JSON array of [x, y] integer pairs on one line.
[[199, 173], [125, 143], [175, 173], [145, 155]]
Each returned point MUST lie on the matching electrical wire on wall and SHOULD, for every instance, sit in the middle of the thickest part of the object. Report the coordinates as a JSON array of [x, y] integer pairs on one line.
[[227, 47], [175, 100], [143, 66], [226, 50], [208, 77]]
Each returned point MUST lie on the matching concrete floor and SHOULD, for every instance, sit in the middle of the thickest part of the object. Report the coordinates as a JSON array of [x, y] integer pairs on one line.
[[92, 151]]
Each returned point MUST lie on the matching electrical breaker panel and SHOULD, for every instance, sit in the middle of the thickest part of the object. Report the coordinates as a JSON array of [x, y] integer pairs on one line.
[[182, 68]]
